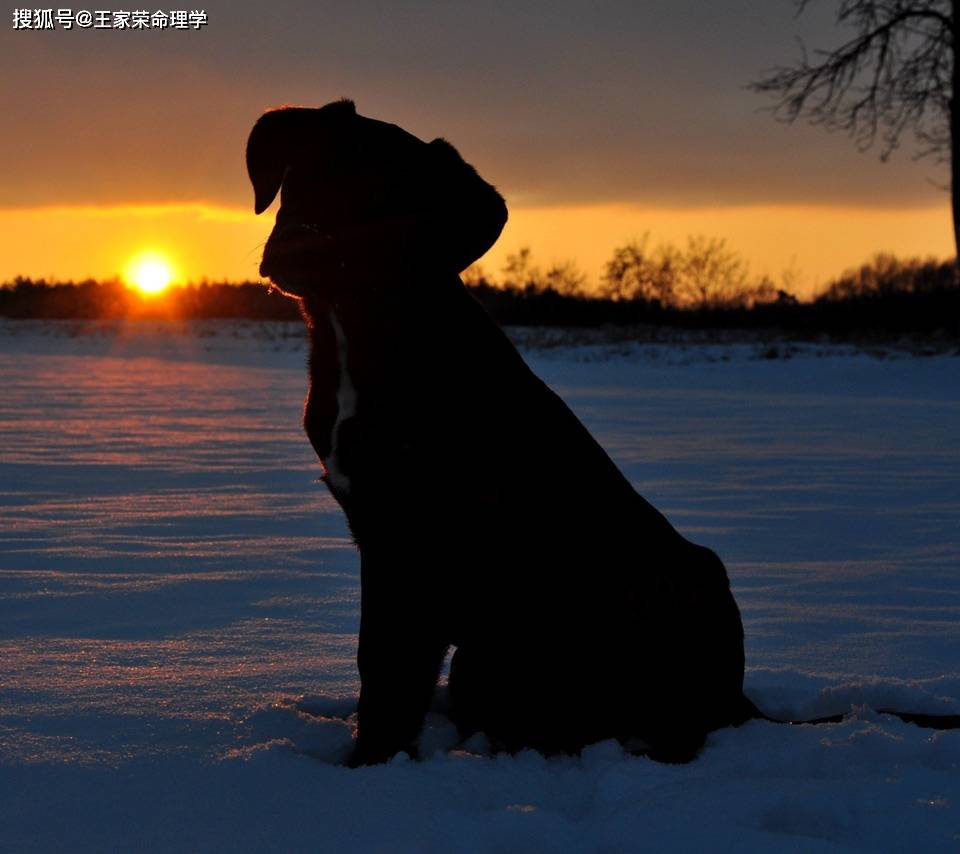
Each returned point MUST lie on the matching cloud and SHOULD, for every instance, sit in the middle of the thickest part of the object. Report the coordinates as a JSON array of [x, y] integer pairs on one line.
[[557, 104]]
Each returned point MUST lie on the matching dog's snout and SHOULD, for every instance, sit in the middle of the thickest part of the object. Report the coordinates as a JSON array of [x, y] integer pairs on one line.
[[287, 240]]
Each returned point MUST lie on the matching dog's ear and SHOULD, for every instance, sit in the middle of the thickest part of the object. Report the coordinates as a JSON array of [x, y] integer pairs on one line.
[[467, 212], [275, 140]]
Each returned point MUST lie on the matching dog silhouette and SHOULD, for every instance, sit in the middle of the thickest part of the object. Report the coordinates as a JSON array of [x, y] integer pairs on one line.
[[486, 516]]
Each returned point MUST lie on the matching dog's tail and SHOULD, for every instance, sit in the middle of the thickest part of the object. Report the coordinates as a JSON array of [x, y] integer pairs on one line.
[[751, 712]]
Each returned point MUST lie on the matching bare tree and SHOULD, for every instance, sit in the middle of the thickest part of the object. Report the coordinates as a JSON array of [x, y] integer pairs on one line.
[[563, 277], [520, 273], [638, 272], [710, 275], [894, 75]]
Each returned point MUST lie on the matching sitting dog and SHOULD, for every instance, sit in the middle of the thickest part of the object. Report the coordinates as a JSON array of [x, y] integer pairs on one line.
[[486, 515]]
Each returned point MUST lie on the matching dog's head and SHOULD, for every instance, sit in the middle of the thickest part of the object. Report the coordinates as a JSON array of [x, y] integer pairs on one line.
[[360, 199]]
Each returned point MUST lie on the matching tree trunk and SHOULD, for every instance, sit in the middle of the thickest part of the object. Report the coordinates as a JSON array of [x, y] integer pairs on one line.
[[955, 129]]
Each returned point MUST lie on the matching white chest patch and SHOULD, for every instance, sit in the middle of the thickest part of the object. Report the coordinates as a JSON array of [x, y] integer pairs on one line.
[[346, 408]]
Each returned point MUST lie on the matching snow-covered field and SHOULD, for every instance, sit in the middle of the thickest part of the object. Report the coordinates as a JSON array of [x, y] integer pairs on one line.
[[179, 602]]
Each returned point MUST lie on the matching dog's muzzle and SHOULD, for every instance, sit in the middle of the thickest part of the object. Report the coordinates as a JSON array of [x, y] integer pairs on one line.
[[290, 247]]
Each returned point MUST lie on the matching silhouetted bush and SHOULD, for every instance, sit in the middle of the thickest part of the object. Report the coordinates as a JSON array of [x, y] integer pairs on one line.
[[886, 274]]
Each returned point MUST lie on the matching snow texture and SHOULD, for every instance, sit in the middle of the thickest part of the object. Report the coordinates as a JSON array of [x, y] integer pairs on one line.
[[179, 605]]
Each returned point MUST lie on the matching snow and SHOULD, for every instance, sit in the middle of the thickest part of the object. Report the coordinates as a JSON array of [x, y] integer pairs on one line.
[[179, 603]]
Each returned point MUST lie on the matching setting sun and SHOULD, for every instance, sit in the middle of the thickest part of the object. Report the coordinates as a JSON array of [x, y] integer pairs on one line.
[[149, 273]]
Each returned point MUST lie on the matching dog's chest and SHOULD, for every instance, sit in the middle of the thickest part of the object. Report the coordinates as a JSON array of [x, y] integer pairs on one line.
[[346, 398]]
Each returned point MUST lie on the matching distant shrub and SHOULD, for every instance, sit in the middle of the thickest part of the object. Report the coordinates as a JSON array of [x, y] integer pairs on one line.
[[521, 274], [885, 274]]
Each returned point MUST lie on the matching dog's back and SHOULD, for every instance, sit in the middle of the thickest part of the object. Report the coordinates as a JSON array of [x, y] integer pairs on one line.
[[577, 611]]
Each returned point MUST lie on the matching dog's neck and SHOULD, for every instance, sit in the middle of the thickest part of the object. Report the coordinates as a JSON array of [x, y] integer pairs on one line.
[[359, 336], [385, 298]]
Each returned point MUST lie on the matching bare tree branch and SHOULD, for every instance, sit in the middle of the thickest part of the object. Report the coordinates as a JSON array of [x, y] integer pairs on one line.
[[893, 75]]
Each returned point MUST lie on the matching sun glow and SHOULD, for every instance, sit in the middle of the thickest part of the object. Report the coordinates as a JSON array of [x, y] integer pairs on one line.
[[150, 273]]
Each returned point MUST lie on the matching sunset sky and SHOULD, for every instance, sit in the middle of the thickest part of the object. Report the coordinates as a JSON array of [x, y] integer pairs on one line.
[[597, 121]]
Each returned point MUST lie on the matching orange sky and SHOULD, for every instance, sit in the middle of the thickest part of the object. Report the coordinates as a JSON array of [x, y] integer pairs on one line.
[[597, 122], [218, 242]]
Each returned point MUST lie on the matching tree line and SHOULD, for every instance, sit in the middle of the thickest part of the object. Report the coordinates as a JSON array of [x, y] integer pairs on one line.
[[700, 285], [112, 299], [702, 274]]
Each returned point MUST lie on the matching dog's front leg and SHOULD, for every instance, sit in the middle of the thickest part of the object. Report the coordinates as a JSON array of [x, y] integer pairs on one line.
[[400, 654]]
